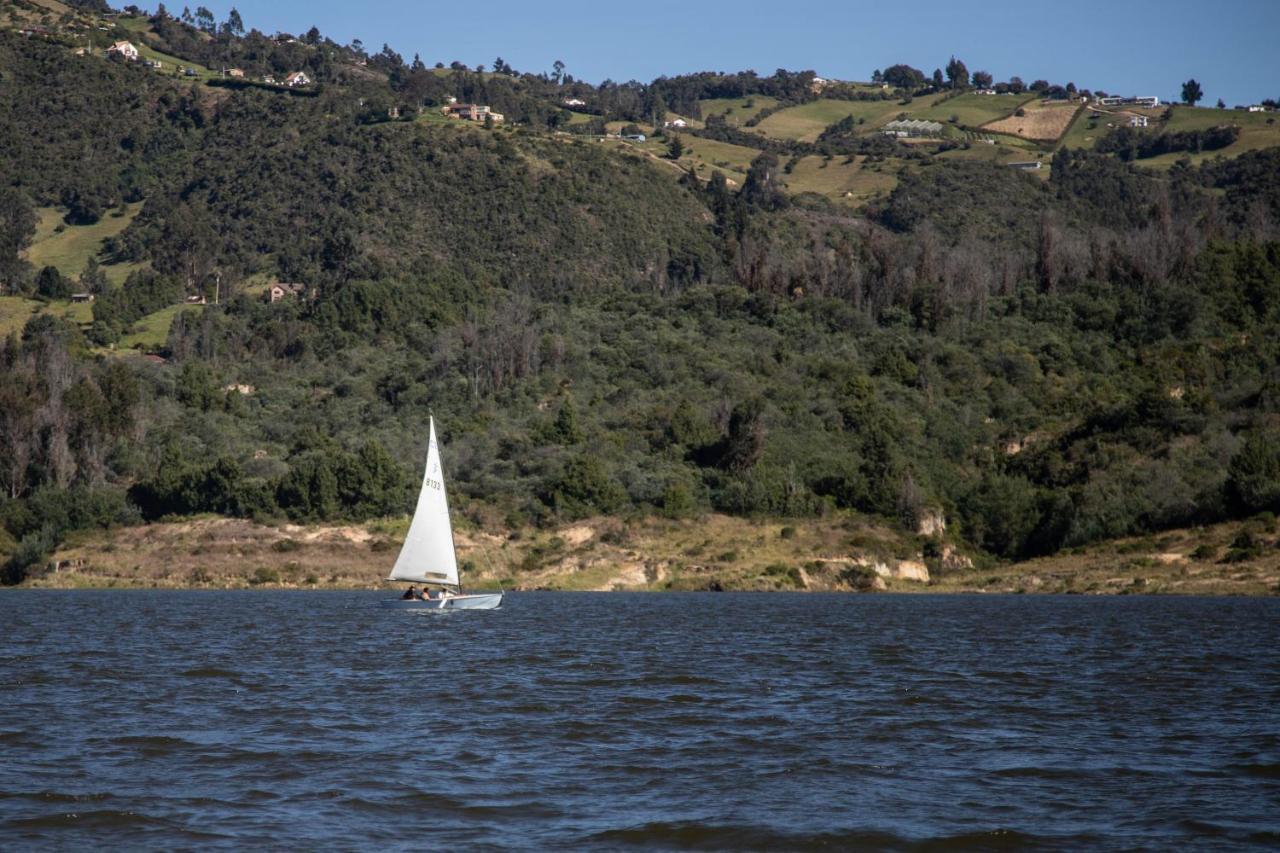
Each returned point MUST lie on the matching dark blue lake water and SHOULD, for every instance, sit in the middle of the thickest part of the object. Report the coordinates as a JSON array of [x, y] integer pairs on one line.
[[314, 719]]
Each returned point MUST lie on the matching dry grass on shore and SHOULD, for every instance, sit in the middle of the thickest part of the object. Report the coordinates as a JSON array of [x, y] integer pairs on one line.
[[837, 553]]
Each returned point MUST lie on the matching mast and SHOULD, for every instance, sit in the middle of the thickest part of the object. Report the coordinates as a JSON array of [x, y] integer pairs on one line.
[[444, 481]]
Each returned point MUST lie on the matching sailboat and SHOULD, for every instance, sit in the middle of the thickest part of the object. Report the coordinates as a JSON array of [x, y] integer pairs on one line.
[[427, 556]]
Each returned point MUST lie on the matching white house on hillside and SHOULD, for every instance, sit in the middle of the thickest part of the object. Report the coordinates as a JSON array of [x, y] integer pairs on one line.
[[125, 49], [677, 123], [297, 78]]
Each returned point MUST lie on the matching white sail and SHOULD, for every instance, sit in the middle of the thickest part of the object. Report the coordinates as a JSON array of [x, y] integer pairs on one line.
[[427, 554]]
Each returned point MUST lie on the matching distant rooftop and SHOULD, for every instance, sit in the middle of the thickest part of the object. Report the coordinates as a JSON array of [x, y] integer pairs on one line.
[[919, 125]]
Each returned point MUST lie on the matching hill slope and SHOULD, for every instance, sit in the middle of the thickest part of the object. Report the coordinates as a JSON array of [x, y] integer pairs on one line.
[[1044, 363]]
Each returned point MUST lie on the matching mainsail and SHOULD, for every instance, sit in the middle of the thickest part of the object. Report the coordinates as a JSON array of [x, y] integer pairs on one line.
[[427, 554]]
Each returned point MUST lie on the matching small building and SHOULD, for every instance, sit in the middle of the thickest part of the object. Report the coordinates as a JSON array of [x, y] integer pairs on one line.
[[197, 300], [297, 78], [574, 102], [267, 78], [471, 112], [677, 123], [125, 49], [1025, 165], [818, 84], [911, 127], [285, 290], [634, 137], [235, 72], [1149, 101], [1257, 108], [82, 297], [1137, 121]]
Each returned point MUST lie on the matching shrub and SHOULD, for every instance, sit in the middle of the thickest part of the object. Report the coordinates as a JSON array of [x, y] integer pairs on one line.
[[1205, 552], [34, 548], [263, 575], [1253, 475]]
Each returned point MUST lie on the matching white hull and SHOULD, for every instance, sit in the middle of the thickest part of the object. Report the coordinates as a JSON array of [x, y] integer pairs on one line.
[[478, 601]]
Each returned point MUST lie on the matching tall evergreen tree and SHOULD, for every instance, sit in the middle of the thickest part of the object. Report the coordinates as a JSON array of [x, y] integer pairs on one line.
[[957, 74]]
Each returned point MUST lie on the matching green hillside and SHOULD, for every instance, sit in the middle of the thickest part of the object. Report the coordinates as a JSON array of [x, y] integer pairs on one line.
[[802, 320], [805, 122]]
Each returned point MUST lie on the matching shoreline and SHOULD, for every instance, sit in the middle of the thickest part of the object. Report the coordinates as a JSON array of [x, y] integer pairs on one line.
[[851, 554], [925, 591]]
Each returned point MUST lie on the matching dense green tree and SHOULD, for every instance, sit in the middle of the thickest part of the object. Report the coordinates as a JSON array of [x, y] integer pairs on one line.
[[17, 223], [1253, 477], [585, 487], [52, 284], [763, 186], [904, 77], [957, 74], [1191, 92]]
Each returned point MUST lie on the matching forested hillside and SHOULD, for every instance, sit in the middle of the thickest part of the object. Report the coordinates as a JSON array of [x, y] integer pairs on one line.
[[1049, 362]]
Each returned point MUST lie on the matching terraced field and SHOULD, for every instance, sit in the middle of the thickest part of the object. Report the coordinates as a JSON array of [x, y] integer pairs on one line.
[[1042, 121]]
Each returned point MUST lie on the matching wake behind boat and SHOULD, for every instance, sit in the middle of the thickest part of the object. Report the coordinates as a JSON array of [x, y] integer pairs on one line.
[[427, 556]]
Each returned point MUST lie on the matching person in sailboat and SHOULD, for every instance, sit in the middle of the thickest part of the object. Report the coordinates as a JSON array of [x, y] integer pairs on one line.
[[410, 594]]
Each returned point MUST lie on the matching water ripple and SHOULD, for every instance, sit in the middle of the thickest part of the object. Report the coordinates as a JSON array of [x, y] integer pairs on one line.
[[223, 719]]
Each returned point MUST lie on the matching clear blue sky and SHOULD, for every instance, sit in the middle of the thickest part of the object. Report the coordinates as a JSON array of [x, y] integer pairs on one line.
[[1232, 47]]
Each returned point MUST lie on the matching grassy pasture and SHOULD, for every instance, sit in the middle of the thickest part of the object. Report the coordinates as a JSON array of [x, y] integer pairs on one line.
[[151, 332], [15, 311], [735, 110], [733, 160], [848, 182], [1085, 131], [1000, 153], [1257, 130], [973, 110], [807, 121], [69, 250]]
